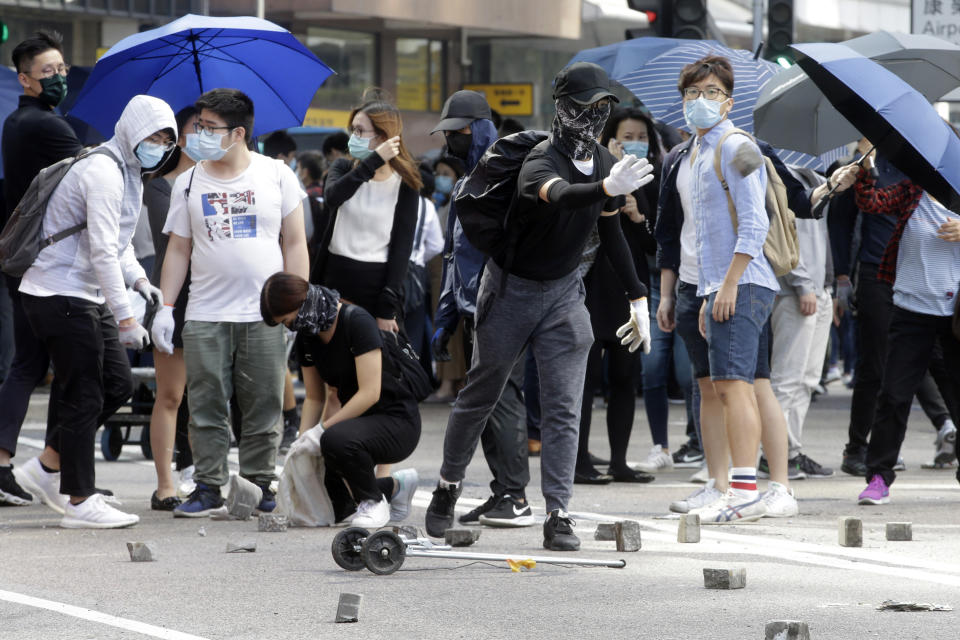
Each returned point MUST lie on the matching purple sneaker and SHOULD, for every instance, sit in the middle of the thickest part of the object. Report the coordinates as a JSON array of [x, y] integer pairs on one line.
[[876, 492]]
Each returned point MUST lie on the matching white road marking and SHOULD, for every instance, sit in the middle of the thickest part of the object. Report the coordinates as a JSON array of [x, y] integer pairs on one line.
[[98, 617]]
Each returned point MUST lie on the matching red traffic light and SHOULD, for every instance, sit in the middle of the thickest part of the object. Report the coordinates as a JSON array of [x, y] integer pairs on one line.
[[651, 16]]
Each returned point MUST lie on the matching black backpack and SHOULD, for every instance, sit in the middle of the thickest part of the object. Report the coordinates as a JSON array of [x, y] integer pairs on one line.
[[22, 238], [402, 363]]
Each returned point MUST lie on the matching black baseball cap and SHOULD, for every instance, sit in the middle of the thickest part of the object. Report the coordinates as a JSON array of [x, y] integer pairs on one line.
[[583, 82], [462, 108]]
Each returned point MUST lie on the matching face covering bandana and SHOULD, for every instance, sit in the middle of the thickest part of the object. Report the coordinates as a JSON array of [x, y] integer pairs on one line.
[[702, 113], [636, 148], [53, 90], [150, 154], [318, 311], [359, 147], [443, 184], [576, 127], [206, 146], [458, 144]]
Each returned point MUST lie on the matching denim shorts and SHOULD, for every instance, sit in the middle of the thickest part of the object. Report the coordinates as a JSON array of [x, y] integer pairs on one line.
[[688, 328], [739, 347]]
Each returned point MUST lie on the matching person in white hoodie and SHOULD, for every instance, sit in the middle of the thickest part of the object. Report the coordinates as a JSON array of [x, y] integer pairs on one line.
[[75, 298]]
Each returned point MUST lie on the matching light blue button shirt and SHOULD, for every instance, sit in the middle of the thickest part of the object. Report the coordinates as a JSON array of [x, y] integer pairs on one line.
[[716, 240]]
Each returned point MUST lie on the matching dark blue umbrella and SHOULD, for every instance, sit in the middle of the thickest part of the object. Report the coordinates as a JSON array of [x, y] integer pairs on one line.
[[894, 116], [179, 61], [650, 67]]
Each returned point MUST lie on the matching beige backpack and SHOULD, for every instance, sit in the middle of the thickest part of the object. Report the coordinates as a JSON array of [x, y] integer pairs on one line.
[[781, 247]]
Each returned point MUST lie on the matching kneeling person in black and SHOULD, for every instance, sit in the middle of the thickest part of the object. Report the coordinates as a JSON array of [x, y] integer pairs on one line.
[[378, 421]]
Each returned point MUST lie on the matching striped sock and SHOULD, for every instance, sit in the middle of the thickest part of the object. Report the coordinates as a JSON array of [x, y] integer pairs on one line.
[[744, 478]]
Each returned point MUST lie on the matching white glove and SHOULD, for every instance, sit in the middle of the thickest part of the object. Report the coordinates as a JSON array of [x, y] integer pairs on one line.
[[149, 292], [636, 333], [308, 442], [134, 336], [162, 330], [628, 175]]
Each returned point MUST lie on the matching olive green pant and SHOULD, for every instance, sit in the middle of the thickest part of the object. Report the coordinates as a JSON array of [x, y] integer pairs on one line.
[[223, 357]]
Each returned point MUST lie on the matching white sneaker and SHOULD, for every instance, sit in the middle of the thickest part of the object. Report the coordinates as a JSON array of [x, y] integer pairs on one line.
[[732, 508], [371, 514], [406, 480], [657, 460], [186, 484], [946, 444], [833, 374], [45, 486], [95, 513], [701, 476], [780, 501], [699, 498]]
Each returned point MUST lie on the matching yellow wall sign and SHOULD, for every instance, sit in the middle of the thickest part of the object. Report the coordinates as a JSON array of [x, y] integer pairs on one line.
[[327, 118], [510, 99], [101, 51]]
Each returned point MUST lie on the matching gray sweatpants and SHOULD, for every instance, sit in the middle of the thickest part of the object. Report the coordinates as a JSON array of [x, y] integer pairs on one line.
[[504, 439], [551, 319]]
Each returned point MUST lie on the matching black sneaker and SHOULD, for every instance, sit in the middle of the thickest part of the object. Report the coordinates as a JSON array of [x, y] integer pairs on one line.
[[854, 465], [810, 467], [687, 457], [509, 512], [794, 472], [290, 433], [763, 468], [12, 493], [440, 512], [558, 532], [473, 517]]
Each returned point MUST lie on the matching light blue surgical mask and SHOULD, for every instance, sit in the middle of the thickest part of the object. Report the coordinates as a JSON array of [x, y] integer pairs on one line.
[[443, 184], [206, 146], [292, 164], [150, 154], [702, 113], [637, 148], [359, 147]]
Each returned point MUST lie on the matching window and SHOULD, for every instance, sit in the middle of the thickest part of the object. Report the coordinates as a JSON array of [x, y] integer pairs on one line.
[[420, 74], [353, 56]]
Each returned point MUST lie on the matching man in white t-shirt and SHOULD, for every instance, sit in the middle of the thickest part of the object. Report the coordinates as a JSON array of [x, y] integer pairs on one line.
[[235, 219]]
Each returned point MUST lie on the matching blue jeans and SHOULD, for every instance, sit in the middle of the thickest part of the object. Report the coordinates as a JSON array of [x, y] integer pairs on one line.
[[739, 346], [656, 369]]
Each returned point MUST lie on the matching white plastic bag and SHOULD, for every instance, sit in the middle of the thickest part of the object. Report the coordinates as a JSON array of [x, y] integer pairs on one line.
[[301, 494]]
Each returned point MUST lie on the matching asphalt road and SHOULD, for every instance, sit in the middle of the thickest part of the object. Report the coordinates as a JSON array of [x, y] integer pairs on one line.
[[57, 583]]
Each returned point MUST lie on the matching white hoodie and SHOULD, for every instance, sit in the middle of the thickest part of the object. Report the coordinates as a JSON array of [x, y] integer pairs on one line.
[[98, 263]]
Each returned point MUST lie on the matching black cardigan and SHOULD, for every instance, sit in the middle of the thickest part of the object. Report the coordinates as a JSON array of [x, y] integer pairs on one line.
[[343, 180]]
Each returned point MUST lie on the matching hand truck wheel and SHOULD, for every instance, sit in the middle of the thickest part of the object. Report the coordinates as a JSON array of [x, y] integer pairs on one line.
[[383, 552], [346, 548]]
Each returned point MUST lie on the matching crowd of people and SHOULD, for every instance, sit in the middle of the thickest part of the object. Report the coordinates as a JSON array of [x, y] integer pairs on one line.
[[516, 273]]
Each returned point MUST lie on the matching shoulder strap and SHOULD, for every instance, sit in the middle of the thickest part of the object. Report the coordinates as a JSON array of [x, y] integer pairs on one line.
[[423, 206], [186, 193], [77, 228], [718, 168]]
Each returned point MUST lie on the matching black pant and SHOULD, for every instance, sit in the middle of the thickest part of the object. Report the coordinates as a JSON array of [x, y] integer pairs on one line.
[[351, 450], [874, 309], [620, 409], [93, 380], [911, 345], [29, 367]]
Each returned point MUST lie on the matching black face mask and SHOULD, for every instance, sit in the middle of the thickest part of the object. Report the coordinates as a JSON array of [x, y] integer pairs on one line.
[[458, 144], [318, 311], [576, 127], [54, 90]]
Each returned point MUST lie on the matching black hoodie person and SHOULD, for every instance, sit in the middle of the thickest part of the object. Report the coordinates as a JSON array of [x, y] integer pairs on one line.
[[567, 185]]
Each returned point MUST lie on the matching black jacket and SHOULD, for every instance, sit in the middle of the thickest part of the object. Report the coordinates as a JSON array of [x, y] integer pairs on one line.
[[670, 211], [34, 137]]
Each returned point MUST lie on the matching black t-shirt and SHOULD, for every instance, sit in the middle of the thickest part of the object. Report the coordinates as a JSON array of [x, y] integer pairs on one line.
[[551, 238], [356, 333]]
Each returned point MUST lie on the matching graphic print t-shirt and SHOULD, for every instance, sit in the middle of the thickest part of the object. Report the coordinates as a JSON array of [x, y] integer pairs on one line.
[[235, 228]]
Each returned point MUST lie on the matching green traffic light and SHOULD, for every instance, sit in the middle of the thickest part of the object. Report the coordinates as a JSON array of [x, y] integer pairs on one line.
[[4, 32]]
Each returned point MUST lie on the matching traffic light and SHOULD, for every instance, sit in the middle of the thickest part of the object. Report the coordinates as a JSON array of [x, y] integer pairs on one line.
[[4, 32], [656, 18], [780, 31], [689, 19]]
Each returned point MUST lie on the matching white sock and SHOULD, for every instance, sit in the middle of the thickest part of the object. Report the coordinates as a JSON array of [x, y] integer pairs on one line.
[[446, 484]]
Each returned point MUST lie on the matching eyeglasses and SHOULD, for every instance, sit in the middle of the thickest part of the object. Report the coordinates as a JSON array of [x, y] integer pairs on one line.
[[202, 128], [49, 70], [710, 93]]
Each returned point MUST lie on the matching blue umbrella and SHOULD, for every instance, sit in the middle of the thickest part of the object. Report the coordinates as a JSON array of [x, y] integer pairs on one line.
[[894, 116], [649, 69], [179, 61]]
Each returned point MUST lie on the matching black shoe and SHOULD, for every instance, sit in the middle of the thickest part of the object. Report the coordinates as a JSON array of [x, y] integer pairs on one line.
[[854, 465], [473, 517], [687, 457], [597, 461], [558, 532], [508, 512], [10, 492], [632, 475], [810, 467], [594, 477], [290, 433], [167, 504], [440, 512]]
